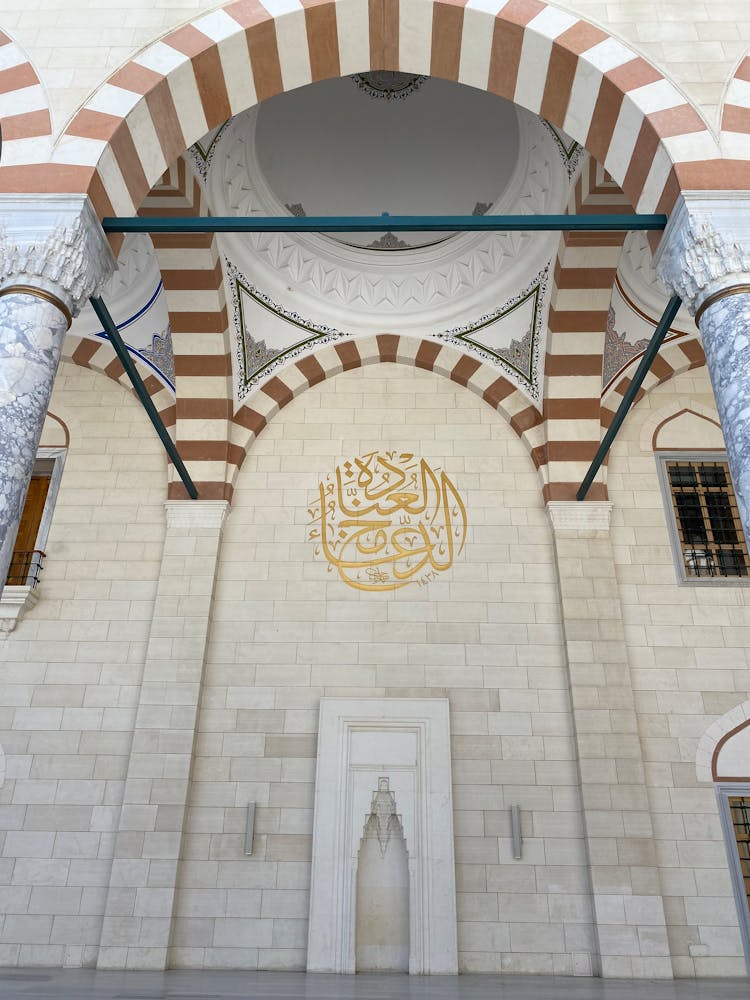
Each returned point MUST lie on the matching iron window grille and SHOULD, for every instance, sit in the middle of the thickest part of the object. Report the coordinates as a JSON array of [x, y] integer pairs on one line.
[[739, 809], [706, 527]]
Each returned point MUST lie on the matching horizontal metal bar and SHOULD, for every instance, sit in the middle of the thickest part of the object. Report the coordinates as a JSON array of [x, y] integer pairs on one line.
[[673, 307], [110, 328], [384, 223]]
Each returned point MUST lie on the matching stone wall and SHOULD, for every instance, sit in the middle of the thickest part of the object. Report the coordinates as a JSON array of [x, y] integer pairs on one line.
[[70, 676], [486, 634], [688, 649]]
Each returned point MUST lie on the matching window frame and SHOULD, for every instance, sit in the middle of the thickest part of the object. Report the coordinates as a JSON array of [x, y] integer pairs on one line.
[[689, 455], [724, 791]]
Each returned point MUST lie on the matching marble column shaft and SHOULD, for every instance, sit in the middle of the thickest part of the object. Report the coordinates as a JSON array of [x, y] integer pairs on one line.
[[725, 328], [31, 338]]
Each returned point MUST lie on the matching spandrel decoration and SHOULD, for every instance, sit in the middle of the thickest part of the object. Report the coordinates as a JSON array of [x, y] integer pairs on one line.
[[387, 519]]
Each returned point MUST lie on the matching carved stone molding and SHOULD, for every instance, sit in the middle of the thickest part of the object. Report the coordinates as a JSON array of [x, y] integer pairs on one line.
[[196, 513], [54, 243], [572, 515], [706, 245]]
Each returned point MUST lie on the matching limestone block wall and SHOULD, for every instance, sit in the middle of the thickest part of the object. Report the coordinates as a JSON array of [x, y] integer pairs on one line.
[[70, 676], [486, 634], [75, 45], [688, 649]]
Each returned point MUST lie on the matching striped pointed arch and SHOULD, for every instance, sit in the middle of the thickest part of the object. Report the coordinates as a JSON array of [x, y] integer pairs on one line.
[[99, 356], [296, 377], [603, 94], [675, 357], [735, 115], [192, 275], [24, 108], [582, 283]]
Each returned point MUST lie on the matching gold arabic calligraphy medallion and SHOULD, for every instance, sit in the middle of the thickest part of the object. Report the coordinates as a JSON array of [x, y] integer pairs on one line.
[[387, 519]]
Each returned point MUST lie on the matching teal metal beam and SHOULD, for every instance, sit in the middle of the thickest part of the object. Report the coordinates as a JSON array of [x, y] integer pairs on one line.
[[110, 328], [673, 307], [384, 223]]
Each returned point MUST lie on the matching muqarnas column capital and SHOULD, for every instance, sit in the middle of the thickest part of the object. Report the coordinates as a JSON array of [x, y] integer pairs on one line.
[[53, 244], [705, 249]]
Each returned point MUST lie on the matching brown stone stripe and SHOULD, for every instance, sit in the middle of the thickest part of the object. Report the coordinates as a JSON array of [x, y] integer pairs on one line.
[[661, 368], [577, 320], [137, 78], [182, 241], [734, 119], [264, 58], [322, 39], [163, 112], [27, 126], [499, 390], [427, 355], [114, 370], [203, 279], [90, 124], [567, 491], [278, 391], [539, 455], [713, 175], [122, 145], [384, 34], [583, 277], [571, 451], [693, 351], [17, 78], [153, 385], [85, 352], [169, 415], [572, 409], [606, 111], [202, 364], [526, 419], [209, 72], [250, 419], [447, 27], [682, 120], [198, 408], [211, 321], [311, 369], [505, 58], [573, 364], [464, 369], [743, 70], [559, 83], [580, 37], [211, 451], [388, 346], [348, 352], [633, 74]]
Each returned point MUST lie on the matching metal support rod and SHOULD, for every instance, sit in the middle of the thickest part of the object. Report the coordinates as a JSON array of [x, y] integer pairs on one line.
[[383, 223], [141, 391], [673, 307]]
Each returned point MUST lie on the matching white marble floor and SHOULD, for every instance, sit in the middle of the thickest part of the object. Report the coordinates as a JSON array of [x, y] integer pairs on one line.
[[46, 984]]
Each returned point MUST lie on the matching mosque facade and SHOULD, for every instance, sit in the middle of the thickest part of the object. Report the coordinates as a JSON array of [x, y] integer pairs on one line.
[[372, 669]]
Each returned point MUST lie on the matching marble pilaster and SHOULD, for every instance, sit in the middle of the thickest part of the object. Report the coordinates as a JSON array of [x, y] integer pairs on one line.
[[704, 257], [628, 907], [53, 256]]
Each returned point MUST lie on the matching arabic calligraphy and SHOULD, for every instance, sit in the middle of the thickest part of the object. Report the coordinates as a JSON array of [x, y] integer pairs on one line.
[[387, 519]]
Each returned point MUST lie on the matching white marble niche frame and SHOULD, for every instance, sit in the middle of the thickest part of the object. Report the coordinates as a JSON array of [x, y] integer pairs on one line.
[[359, 741]]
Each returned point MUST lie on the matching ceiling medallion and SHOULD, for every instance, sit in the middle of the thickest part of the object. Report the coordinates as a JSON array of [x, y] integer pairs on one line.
[[383, 84]]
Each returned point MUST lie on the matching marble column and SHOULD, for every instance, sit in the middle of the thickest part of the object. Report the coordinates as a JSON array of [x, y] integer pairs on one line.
[[53, 256], [704, 257]]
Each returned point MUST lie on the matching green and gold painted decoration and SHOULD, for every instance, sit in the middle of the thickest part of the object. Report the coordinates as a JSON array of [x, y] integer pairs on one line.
[[387, 519]]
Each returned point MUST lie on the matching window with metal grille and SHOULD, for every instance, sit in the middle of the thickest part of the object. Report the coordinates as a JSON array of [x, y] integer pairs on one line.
[[739, 808], [707, 526]]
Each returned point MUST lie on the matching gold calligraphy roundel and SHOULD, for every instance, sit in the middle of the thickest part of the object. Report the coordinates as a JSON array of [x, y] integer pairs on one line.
[[387, 519]]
